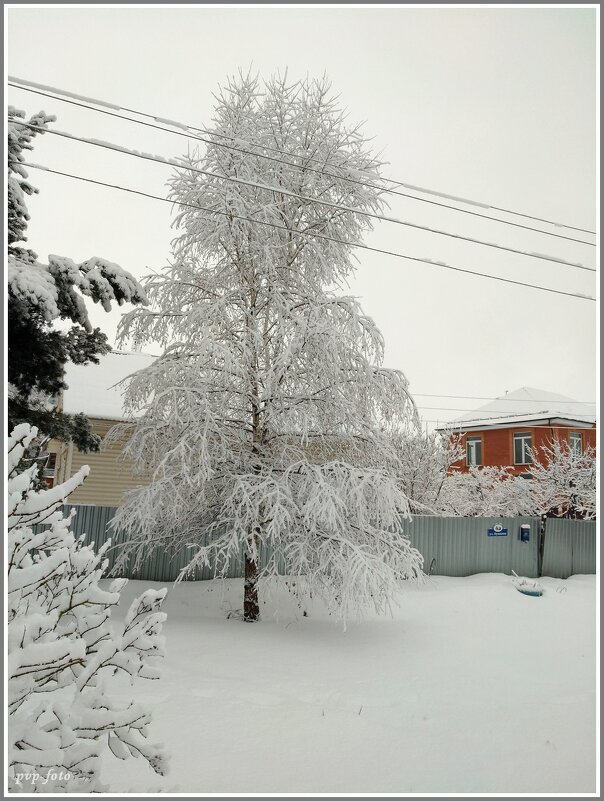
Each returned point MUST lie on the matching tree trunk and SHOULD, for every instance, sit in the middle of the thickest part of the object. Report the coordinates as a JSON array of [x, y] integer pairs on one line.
[[251, 609]]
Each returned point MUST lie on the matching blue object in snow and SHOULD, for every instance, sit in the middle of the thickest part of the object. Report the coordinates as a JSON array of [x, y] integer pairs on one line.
[[526, 591], [527, 586]]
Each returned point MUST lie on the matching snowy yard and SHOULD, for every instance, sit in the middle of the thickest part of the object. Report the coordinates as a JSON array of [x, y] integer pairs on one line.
[[471, 687]]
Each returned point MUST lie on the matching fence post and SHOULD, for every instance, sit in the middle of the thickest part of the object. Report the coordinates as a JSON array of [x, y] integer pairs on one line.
[[542, 532]]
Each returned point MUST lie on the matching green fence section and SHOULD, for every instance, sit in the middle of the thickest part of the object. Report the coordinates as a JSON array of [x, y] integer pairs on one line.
[[158, 565], [462, 546], [569, 548], [451, 546]]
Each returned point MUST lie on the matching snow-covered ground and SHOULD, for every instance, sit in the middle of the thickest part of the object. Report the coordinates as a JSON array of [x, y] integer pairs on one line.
[[470, 687]]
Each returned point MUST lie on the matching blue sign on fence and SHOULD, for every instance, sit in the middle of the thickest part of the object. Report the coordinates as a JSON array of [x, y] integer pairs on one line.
[[497, 531]]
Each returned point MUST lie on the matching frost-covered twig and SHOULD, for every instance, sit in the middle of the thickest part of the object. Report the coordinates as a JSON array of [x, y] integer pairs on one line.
[[62, 652]]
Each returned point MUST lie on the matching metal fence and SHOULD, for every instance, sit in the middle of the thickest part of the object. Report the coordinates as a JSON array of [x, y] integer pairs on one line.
[[159, 565], [451, 546], [569, 547], [462, 546]]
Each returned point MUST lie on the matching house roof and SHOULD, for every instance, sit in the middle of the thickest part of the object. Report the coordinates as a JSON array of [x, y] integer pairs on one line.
[[91, 388], [527, 405]]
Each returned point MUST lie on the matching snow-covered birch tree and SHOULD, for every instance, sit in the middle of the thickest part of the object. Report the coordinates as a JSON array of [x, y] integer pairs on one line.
[[63, 654], [266, 423], [425, 460]]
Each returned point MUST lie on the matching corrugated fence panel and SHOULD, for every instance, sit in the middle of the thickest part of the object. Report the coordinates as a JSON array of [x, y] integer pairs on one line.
[[569, 548], [451, 546], [584, 547], [461, 546]]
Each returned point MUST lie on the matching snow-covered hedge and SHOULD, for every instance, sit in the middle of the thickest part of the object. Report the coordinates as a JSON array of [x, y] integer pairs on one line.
[[62, 652]]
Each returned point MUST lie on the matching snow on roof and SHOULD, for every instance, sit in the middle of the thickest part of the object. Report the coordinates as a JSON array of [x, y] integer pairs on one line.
[[91, 387], [527, 405]]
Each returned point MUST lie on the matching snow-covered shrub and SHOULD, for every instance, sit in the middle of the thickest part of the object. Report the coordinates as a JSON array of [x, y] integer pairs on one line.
[[559, 482], [62, 651], [564, 481], [485, 492]]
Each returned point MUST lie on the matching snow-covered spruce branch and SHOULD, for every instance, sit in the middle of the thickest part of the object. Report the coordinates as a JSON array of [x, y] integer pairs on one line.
[[51, 288], [62, 651], [40, 294]]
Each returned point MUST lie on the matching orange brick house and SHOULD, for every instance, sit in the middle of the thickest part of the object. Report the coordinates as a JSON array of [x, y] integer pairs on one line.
[[503, 432]]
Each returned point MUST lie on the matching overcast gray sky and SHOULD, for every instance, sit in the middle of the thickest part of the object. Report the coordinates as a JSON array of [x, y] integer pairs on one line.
[[496, 105]]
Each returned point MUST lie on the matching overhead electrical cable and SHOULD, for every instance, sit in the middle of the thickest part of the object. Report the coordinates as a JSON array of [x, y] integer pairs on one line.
[[268, 188], [489, 398], [487, 411], [457, 425], [111, 109], [308, 234]]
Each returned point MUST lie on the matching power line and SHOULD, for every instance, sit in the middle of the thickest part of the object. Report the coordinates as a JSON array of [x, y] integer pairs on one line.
[[449, 408], [486, 411], [187, 127], [28, 87], [312, 235], [508, 400], [282, 191], [457, 424]]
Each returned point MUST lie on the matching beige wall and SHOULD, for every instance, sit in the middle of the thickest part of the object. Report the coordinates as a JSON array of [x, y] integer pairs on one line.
[[110, 475]]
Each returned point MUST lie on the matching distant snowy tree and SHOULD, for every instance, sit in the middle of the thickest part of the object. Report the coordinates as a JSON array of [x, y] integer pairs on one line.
[[63, 654], [485, 492], [564, 481], [424, 462], [39, 294], [559, 482], [266, 424]]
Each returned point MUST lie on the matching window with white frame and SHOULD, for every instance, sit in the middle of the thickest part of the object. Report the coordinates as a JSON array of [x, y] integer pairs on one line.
[[523, 443], [473, 451], [50, 465], [576, 443]]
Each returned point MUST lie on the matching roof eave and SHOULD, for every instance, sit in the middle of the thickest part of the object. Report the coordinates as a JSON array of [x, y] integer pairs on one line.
[[538, 422]]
